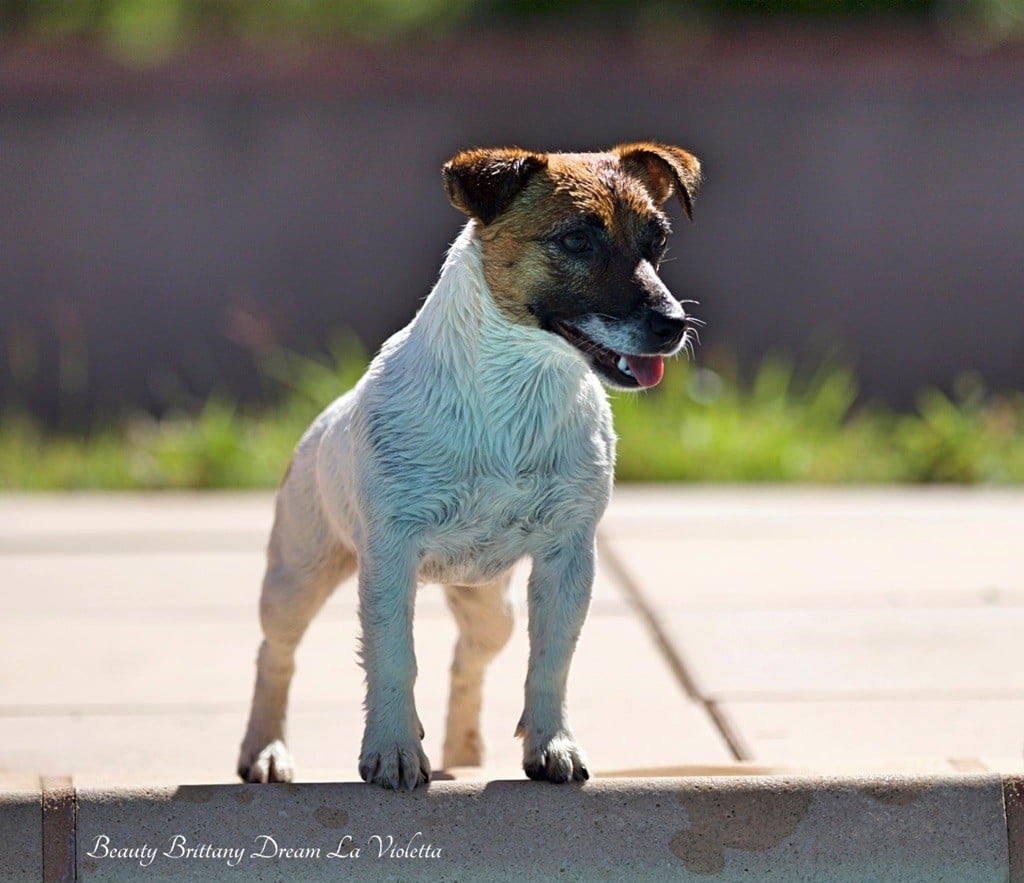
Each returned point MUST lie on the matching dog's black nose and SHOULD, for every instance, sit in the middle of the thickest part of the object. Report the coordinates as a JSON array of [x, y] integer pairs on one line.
[[667, 329]]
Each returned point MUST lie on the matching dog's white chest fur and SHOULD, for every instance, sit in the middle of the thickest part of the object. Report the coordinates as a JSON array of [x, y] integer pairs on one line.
[[479, 440]]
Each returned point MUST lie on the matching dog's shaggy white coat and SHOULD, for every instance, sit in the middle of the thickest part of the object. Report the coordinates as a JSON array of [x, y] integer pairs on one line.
[[470, 443]]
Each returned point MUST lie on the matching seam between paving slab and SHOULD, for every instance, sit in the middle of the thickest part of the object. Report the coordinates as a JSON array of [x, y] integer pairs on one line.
[[1013, 806], [60, 834], [672, 655]]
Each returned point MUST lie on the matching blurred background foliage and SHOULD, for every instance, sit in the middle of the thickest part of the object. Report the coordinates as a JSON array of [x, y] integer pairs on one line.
[[704, 423], [700, 424], [152, 30]]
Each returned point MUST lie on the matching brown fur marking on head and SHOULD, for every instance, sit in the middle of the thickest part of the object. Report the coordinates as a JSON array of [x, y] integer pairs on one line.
[[524, 273], [481, 183], [525, 201], [664, 169]]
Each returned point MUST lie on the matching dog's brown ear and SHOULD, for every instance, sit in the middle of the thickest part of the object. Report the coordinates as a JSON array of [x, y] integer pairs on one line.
[[482, 183], [664, 170]]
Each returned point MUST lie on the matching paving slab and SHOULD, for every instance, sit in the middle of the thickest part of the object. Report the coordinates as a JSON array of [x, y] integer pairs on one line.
[[635, 507], [128, 586], [835, 735], [934, 830], [60, 520], [611, 717], [162, 665], [771, 597], [185, 584], [184, 748], [700, 549], [823, 567], [894, 653]]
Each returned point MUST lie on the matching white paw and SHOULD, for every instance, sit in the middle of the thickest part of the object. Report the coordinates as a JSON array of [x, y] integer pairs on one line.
[[396, 765], [272, 763], [554, 758]]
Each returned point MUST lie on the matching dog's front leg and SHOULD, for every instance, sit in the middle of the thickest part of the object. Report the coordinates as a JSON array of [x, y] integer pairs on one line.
[[392, 753], [559, 595]]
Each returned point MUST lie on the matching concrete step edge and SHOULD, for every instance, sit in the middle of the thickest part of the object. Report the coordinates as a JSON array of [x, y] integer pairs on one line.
[[962, 827]]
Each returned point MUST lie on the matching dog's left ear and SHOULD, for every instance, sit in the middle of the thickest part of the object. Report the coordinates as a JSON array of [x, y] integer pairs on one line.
[[664, 170], [482, 183]]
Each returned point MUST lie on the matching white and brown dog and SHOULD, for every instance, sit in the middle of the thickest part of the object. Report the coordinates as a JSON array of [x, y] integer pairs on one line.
[[480, 435]]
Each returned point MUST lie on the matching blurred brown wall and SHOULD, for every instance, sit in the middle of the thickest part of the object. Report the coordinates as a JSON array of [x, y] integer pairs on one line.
[[863, 189]]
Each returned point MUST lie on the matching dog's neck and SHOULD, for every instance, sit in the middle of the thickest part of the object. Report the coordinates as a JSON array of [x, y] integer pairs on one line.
[[462, 328]]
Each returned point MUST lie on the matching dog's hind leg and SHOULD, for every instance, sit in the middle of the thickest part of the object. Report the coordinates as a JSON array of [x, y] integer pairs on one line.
[[485, 619], [303, 568]]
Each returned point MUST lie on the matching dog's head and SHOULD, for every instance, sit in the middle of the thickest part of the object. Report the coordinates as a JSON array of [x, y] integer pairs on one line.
[[572, 243]]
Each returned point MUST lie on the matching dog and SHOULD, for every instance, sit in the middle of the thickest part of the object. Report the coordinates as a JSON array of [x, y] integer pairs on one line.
[[480, 435]]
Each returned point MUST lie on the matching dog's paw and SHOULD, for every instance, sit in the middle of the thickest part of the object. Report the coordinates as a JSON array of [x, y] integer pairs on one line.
[[398, 766], [556, 758], [272, 763]]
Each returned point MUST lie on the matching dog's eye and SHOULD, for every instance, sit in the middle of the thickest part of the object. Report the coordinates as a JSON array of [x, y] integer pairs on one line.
[[576, 242], [656, 249]]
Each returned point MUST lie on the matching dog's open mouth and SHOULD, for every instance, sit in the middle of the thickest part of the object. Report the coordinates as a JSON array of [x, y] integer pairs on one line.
[[624, 369]]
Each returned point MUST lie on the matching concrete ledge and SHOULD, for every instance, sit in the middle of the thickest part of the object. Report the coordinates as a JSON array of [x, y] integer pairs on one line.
[[958, 828], [21, 831]]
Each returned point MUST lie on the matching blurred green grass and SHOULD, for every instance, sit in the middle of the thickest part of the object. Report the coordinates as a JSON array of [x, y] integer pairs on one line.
[[699, 425]]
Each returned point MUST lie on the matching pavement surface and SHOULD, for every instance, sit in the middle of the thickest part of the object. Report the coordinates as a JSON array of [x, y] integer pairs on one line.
[[733, 632], [830, 630]]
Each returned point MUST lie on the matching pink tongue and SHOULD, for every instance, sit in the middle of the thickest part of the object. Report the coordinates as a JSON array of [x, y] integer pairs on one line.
[[648, 370]]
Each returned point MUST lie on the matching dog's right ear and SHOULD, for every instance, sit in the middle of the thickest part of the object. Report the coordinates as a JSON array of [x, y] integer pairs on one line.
[[482, 183]]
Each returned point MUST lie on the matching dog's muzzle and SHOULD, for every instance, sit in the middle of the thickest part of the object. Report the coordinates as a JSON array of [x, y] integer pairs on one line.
[[627, 353]]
